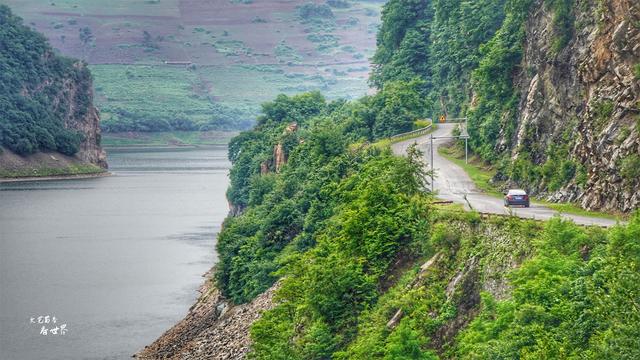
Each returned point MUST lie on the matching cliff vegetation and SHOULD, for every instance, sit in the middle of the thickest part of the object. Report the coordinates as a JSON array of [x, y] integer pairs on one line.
[[355, 260], [46, 99], [549, 87], [370, 268]]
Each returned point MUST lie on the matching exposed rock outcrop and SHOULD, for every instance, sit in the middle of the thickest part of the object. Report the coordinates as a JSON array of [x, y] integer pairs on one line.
[[47, 113], [585, 95], [279, 153], [74, 100], [213, 329], [86, 121]]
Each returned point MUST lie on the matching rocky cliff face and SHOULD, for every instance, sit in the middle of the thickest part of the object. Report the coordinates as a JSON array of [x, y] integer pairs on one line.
[[47, 105], [584, 97], [85, 120], [279, 153], [71, 97], [213, 329]]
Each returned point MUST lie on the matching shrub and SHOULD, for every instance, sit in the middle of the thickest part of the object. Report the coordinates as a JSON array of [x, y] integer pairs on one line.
[[602, 111], [630, 167], [310, 11]]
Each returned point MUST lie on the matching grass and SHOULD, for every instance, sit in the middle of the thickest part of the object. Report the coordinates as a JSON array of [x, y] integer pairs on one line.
[[481, 174], [161, 139], [131, 79], [150, 91], [174, 89], [570, 208], [81, 169]]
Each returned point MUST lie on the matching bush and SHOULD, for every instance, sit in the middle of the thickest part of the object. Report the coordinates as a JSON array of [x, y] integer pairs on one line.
[[563, 20], [630, 167], [602, 111], [310, 11], [565, 304]]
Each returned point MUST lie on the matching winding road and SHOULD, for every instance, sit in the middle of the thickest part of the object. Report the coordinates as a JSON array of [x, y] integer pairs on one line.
[[453, 184]]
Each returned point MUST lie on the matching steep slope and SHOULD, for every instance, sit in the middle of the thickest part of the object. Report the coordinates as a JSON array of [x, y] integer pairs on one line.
[[580, 105], [338, 251], [46, 106], [551, 88]]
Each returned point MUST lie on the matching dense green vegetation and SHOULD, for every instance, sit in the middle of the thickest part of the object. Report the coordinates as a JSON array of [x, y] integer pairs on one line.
[[347, 227], [283, 210], [388, 112], [337, 214], [454, 46], [577, 297], [464, 48], [437, 41], [340, 223], [33, 103], [368, 267]]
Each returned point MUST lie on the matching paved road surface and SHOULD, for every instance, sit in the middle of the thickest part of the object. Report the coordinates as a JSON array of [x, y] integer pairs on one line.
[[453, 183]]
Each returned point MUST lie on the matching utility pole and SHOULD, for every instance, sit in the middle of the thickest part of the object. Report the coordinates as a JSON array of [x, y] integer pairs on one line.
[[463, 135], [466, 140], [431, 137]]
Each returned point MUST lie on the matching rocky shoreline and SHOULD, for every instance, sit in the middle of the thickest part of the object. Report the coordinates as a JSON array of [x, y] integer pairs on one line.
[[214, 328]]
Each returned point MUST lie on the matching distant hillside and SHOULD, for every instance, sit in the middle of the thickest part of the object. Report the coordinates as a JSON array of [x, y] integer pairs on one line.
[[46, 104], [224, 57]]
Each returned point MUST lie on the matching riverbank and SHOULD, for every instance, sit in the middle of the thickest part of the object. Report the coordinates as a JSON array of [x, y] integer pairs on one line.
[[213, 329], [49, 165], [56, 177]]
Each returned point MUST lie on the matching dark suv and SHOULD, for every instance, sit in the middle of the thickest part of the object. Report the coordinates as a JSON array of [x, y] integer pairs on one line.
[[516, 197]]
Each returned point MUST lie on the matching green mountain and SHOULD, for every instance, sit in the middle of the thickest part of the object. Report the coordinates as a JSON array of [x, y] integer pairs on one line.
[[46, 100]]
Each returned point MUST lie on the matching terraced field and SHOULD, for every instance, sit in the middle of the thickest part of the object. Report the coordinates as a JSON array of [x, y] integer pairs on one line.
[[228, 55]]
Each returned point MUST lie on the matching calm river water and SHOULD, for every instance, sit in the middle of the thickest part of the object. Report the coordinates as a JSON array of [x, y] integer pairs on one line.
[[117, 259]]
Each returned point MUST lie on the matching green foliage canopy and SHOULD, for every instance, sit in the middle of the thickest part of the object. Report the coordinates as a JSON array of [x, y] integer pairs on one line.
[[33, 102]]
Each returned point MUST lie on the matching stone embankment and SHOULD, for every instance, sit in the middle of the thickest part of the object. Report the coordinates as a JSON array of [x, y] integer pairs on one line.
[[213, 329]]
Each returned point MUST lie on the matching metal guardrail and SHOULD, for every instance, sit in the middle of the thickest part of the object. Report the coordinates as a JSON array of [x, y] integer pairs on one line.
[[421, 131]]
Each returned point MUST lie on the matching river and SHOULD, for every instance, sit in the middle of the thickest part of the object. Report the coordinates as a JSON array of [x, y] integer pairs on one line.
[[118, 259]]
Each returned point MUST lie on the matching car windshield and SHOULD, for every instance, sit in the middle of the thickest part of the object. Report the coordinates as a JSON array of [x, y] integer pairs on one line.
[[517, 192]]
